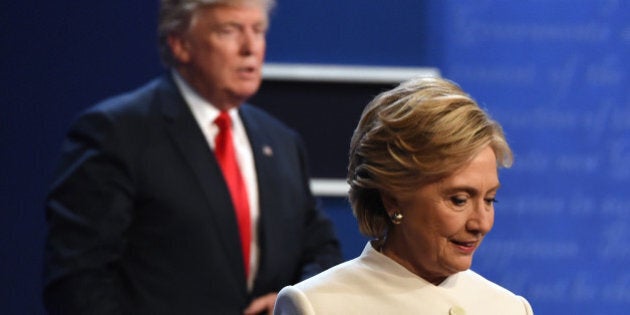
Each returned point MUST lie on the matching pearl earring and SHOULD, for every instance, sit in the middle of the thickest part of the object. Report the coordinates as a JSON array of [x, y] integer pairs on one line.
[[396, 217]]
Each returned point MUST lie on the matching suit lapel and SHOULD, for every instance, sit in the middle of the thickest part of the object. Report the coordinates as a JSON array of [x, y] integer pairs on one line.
[[263, 148], [263, 151], [190, 141]]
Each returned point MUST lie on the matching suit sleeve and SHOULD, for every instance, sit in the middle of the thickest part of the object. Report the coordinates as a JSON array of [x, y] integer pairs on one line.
[[88, 209], [321, 247]]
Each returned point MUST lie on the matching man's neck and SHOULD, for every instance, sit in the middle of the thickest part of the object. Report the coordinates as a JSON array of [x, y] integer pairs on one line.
[[221, 101]]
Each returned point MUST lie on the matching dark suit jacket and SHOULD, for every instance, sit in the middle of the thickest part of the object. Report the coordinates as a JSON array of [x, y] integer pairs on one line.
[[140, 220]]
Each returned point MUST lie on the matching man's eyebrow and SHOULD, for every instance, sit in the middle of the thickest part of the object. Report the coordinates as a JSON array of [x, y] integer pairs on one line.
[[227, 23], [239, 25]]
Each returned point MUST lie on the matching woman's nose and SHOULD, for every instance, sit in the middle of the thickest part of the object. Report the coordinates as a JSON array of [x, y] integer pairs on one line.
[[481, 218]]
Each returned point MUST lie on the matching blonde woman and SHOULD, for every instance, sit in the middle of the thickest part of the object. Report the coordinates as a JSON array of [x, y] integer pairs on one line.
[[423, 182]]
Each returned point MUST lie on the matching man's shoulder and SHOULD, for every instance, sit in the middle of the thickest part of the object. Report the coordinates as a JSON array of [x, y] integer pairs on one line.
[[129, 112], [138, 99]]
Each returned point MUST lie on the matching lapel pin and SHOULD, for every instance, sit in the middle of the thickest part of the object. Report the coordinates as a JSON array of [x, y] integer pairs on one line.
[[267, 151]]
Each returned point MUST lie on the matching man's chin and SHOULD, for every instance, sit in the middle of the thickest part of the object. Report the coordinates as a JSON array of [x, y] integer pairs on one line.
[[246, 91]]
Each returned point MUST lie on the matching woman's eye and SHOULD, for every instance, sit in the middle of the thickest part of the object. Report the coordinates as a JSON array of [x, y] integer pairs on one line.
[[458, 201]]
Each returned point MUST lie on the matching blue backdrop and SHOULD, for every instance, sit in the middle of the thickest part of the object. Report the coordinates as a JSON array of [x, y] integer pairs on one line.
[[554, 73]]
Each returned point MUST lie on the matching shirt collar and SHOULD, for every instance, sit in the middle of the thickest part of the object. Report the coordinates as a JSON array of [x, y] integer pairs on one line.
[[202, 109]]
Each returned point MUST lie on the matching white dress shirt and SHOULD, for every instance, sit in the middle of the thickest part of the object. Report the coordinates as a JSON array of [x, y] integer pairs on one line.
[[205, 114]]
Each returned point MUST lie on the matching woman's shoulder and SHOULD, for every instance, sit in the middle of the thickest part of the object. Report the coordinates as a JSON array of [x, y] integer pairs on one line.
[[359, 276], [471, 279], [339, 275], [322, 293], [481, 289]]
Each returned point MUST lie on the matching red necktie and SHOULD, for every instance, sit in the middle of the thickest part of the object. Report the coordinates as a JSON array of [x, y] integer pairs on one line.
[[226, 156]]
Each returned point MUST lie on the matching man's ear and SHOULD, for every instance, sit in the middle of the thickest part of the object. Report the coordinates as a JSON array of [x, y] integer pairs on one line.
[[180, 48]]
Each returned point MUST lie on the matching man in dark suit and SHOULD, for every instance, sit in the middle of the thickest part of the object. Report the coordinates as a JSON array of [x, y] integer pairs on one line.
[[143, 217]]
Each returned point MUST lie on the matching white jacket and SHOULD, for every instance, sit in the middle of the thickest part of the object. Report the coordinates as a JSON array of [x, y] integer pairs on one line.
[[375, 284]]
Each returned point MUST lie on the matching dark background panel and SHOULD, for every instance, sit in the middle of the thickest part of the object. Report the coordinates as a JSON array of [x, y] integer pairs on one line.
[[324, 113]]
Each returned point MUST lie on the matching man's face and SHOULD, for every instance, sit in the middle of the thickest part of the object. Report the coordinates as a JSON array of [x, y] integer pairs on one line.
[[222, 52]]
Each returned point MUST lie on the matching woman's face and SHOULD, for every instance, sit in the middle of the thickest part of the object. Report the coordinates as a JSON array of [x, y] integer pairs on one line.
[[445, 222]]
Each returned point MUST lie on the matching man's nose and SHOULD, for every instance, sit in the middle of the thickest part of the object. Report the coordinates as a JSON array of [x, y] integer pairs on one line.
[[252, 42]]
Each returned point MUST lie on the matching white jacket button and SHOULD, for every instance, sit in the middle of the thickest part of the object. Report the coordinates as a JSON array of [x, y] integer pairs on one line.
[[456, 310]]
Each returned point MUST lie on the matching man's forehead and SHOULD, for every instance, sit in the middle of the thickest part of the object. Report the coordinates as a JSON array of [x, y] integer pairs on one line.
[[221, 13]]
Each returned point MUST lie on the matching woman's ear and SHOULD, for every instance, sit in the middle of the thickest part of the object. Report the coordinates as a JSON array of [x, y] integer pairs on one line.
[[390, 203]]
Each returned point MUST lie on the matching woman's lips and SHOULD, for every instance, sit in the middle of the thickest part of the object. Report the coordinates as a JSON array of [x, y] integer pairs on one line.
[[466, 247]]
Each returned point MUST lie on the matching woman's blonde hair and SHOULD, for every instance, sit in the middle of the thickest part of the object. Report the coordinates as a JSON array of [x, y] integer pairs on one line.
[[417, 133]]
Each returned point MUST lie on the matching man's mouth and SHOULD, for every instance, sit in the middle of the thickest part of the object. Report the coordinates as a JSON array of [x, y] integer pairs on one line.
[[247, 71]]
